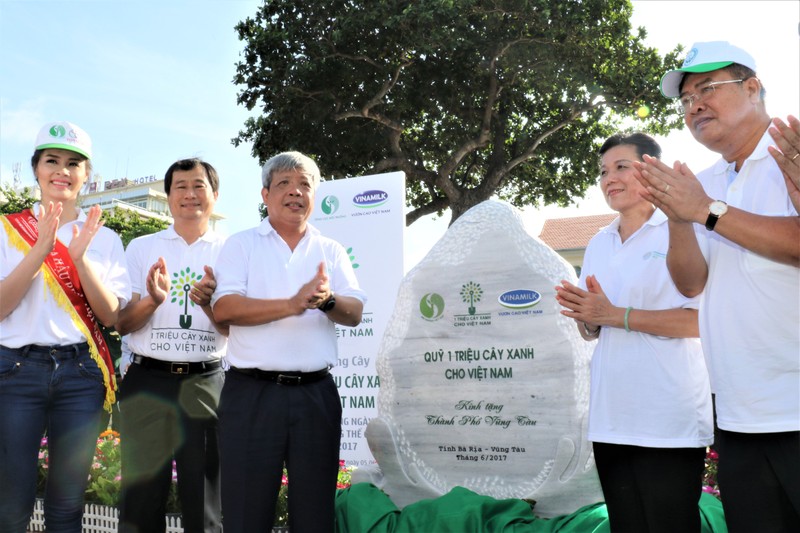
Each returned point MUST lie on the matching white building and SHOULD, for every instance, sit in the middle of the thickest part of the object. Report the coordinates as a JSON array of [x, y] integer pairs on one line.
[[144, 196]]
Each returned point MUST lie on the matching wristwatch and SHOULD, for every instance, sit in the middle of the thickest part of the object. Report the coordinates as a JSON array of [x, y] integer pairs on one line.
[[329, 304], [716, 209]]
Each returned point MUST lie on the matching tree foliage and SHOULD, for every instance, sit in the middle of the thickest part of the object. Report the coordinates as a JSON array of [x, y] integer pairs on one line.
[[470, 98], [130, 225], [14, 201]]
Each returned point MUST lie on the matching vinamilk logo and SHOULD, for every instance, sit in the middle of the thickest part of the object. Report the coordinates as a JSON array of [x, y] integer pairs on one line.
[[431, 306], [329, 205], [519, 298], [370, 199]]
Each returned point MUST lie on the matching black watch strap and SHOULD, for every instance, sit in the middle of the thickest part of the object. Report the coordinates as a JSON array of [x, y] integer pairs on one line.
[[711, 221], [329, 304], [716, 209]]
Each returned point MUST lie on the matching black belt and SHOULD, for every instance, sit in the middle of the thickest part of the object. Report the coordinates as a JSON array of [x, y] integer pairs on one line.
[[284, 377], [174, 367]]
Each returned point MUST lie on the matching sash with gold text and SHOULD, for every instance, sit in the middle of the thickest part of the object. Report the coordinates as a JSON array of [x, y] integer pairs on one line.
[[61, 278]]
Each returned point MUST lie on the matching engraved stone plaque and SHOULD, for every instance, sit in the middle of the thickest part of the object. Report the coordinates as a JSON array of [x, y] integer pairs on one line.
[[484, 384]]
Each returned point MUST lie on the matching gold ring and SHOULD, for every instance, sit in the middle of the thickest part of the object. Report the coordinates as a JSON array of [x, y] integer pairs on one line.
[[795, 156], [666, 189]]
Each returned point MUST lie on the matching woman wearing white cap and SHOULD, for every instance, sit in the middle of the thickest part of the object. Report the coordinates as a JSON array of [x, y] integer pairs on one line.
[[61, 273]]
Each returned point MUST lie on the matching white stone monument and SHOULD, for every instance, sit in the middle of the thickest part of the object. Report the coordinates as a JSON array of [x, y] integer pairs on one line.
[[484, 384]]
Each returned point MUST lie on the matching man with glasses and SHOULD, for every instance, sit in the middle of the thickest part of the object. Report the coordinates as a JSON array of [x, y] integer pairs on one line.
[[735, 233]]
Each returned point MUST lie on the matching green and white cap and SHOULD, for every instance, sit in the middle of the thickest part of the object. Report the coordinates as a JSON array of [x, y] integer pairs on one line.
[[705, 57], [65, 136]]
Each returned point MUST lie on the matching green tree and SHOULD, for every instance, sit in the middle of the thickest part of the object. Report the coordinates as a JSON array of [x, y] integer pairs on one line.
[[470, 98], [130, 225], [12, 201]]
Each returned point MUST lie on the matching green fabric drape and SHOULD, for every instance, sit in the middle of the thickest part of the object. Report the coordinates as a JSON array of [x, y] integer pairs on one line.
[[363, 508]]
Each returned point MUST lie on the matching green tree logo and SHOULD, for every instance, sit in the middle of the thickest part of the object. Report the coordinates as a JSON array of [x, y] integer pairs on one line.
[[431, 306], [471, 293], [58, 131], [330, 204], [181, 285]]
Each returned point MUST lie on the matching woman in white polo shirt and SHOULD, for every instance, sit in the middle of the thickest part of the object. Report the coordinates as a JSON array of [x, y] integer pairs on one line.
[[650, 414], [61, 273]]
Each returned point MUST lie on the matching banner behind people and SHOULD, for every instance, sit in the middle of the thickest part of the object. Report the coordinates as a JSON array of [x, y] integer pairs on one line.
[[366, 215]]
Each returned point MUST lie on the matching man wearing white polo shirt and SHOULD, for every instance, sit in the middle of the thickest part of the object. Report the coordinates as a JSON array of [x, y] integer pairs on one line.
[[170, 393], [282, 287], [735, 235]]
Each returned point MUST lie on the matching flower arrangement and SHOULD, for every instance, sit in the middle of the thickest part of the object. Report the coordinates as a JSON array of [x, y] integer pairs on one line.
[[710, 484], [105, 474]]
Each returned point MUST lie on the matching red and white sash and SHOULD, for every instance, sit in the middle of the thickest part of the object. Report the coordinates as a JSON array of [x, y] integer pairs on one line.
[[61, 278]]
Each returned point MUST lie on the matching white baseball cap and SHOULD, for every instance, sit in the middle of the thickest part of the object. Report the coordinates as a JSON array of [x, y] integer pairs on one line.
[[65, 136], [705, 57]]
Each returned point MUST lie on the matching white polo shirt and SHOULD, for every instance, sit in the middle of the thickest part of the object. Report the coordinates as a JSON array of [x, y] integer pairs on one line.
[[645, 390], [179, 330], [257, 263], [38, 319], [750, 311]]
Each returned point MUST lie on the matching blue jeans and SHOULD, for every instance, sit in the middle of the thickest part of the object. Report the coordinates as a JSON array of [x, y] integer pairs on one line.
[[60, 389]]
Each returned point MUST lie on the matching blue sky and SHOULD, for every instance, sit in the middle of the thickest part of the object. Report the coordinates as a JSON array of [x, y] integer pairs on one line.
[[150, 81]]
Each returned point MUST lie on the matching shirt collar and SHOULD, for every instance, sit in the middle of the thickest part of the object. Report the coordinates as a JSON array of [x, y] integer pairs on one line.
[[658, 217], [265, 228], [760, 152], [171, 234]]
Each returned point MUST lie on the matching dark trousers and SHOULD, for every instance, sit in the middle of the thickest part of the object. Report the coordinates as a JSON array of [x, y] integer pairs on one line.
[[651, 489], [264, 424], [759, 481], [166, 416]]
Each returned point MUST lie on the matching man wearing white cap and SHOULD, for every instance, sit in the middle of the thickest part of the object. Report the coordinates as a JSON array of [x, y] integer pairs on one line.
[[735, 233]]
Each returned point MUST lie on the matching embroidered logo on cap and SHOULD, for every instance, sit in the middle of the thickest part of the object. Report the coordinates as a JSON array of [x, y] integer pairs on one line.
[[690, 57], [58, 131]]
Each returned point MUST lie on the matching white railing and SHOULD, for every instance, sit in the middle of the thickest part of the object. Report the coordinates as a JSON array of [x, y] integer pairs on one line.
[[97, 519]]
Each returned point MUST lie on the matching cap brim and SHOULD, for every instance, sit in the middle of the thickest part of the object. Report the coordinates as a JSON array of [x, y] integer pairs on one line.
[[64, 147], [671, 81]]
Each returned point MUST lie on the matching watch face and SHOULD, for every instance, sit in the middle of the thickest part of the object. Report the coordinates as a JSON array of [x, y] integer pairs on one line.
[[718, 208]]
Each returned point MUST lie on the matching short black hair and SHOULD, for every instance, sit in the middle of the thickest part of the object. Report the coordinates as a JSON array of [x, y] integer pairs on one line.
[[643, 143], [184, 165]]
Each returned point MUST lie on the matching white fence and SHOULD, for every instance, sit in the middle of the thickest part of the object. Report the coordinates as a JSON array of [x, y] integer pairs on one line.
[[97, 519]]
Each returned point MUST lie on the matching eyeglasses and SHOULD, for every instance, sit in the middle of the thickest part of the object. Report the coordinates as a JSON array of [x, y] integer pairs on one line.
[[706, 92]]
